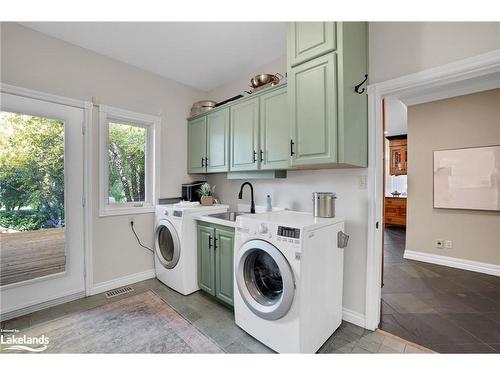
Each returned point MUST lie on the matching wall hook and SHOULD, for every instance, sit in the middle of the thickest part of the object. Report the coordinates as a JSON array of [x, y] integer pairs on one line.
[[356, 88]]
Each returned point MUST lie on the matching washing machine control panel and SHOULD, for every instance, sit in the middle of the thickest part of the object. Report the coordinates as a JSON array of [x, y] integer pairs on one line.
[[289, 232]]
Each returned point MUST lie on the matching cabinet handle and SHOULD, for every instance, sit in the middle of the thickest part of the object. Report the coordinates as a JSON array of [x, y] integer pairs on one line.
[[206, 162], [215, 243], [291, 147], [261, 155], [254, 156], [202, 162], [209, 242]]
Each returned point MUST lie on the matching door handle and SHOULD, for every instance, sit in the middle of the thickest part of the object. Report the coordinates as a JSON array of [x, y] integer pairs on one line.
[[209, 242], [291, 147], [215, 243], [202, 162], [206, 162], [261, 155], [254, 156]]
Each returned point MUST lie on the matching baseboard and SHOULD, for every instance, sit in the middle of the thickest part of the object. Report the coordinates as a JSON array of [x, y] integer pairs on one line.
[[463, 264], [121, 281], [353, 317], [40, 306]]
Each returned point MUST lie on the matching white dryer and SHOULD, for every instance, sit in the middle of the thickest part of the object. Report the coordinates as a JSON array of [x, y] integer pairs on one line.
[[176, 247], [288, 279]]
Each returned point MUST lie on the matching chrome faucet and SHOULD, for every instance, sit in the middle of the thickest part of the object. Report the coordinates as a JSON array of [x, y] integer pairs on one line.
[[240, 195]]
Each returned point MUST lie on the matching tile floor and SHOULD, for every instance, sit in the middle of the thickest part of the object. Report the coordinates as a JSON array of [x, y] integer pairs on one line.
[[217, 322], [445, 309]]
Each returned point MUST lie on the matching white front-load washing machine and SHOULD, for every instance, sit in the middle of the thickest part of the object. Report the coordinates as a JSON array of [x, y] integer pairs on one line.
[[176, 247], [288, 279]]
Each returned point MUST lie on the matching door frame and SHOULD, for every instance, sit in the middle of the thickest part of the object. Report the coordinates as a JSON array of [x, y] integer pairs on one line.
[[474, 74], [87, 200]]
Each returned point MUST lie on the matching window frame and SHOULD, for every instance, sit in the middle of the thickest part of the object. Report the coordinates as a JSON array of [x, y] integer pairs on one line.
[[152, 125]]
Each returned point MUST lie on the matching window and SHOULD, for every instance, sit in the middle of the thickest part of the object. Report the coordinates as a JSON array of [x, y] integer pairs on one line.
[[128, 161]]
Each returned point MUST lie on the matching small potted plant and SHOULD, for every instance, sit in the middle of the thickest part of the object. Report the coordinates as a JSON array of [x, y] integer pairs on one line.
[[206, 193]]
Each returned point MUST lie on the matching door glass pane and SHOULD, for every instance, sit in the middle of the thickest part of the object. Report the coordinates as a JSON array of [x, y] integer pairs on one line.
[[127, 174], [166, 244], [32, 234], [263, 277]]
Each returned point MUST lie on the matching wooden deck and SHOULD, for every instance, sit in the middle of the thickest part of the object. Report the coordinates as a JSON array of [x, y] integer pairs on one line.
[[27, 255]]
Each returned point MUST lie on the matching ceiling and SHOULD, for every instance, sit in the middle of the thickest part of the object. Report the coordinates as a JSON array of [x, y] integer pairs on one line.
[[203, 55]]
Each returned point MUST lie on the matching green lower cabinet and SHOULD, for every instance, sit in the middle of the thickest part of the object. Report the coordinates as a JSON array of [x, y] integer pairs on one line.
[[216, 261], [224, 265], [206, 258]]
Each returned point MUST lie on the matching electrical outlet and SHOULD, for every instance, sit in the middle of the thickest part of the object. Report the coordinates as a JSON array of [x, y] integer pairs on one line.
[[448, 244], [439, 244]]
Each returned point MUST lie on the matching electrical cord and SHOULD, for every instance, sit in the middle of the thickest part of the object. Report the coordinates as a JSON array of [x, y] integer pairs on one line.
[[138, 240]]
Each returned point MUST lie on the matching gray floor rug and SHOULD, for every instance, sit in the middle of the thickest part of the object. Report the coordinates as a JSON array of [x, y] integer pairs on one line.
[[142, 323]]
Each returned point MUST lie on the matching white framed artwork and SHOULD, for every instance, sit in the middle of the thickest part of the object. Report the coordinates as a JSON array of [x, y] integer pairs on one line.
[[467, 178]]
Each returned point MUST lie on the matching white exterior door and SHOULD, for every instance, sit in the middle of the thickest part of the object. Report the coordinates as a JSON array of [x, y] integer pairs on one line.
[[65, 278]]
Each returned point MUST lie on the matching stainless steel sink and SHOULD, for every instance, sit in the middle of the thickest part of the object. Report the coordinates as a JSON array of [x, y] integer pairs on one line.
[[230, 216]]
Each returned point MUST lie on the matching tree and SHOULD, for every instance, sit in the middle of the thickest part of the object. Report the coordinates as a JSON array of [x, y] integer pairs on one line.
[[32, 166]]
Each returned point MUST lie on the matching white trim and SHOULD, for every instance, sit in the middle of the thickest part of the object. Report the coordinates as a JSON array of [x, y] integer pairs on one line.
[[88, 197], [122, 281], [463, 264], [152, 124], [23, 310], [33, 94], [459, 78], [353, 317]]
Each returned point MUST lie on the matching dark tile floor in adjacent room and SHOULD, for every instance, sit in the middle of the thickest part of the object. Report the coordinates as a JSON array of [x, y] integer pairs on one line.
[[445, 309]]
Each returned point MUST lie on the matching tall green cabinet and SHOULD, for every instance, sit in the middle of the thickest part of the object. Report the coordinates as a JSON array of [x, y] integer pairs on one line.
[[328, 118], [215, 261]]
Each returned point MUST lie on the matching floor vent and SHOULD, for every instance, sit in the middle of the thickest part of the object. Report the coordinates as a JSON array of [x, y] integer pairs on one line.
[[119, 292]]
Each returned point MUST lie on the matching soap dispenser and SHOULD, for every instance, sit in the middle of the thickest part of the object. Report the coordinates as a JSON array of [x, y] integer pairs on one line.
[[269, 206]]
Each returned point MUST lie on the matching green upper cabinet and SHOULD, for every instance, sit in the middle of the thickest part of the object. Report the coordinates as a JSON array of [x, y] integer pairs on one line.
[[244, 135], [274, 130], [308, 40], [224, 265], [197, 145], [218, 141], [313, 96], [328, 119]]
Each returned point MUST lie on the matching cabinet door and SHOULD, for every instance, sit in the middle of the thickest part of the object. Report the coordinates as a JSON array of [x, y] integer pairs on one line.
[[244, 135], [313, 110], [274, 130], [307, 40], [218, 141], [197, 145], [206, 258], [224, 265]]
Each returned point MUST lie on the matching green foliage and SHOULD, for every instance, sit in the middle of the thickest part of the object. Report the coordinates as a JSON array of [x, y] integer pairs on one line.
[[127, 144], [32, 170], [23, 220]]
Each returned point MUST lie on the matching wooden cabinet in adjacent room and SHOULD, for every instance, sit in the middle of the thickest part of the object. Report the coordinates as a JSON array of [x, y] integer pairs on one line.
[[395, 212], [398, 151]]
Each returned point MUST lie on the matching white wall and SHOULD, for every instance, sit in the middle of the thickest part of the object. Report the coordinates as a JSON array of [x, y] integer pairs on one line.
[[400, 48], [35, 61], [242, 84]]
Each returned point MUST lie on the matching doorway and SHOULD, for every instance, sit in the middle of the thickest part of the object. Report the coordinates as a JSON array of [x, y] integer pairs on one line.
[[41, 213]]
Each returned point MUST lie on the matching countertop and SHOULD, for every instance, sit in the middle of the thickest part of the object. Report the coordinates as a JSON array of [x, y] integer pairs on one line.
[[214, 220], [400, 197]]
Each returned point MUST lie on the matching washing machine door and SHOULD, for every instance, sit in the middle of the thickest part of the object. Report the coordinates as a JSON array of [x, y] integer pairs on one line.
[[167, 245], [264, 279]]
